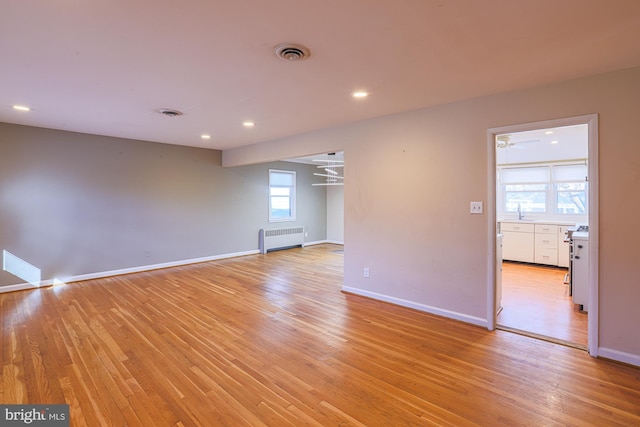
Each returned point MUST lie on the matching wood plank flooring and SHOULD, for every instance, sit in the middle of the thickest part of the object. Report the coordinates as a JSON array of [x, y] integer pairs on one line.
[[271, 340], [535, 299]]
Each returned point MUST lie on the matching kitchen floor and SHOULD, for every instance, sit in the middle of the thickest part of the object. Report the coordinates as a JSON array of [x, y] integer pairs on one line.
[[535, 299]]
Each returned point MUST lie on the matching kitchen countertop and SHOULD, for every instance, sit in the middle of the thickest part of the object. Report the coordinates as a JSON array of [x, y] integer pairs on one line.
[[580, 235], [538, 221]]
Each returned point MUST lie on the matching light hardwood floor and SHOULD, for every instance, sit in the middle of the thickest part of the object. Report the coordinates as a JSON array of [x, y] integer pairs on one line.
[[271, 340], [535, 299]]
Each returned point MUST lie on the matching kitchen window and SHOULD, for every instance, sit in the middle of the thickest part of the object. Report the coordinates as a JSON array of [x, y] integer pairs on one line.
[[282, 195], [553, 188], [527, 197], [571, 198], [525, 188], [570, 188]]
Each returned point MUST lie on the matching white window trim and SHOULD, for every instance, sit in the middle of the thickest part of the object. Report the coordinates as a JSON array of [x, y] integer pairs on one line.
[[551, 194], [292, 197]]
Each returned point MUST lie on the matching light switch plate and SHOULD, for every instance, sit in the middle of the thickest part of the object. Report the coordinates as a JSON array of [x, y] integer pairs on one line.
[[477, 208]]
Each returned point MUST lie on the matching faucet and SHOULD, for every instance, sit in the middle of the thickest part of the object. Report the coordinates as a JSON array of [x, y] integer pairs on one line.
[[520, 212]]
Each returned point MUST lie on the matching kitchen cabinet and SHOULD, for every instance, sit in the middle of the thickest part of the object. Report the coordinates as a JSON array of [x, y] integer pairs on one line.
[[499, 273], [517, 241], [563, 246], [535, 242], [580, 270], [546, 244]]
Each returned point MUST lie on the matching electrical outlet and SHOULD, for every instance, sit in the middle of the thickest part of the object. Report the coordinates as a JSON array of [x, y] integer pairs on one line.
[[476, 208], [306, 234], [365, 272], [147, 254]]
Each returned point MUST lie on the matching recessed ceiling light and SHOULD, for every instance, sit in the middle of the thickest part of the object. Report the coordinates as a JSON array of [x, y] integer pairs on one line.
[[554, 142], [549, 132], [205, 136], [360, 94], [21, 108], [248, 124]]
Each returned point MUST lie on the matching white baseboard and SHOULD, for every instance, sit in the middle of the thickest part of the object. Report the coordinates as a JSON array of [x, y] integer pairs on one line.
[[619, 356], [421, 307], [320, 242], [102, 274], [24, 286], [317, 242], [138, 269]]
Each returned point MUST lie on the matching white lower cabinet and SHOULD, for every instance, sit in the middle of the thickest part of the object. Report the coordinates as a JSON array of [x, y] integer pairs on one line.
[[563, 247], [580, 270], [546, 256], [546, 244], [499, 239], [517, 241], [535, 243]]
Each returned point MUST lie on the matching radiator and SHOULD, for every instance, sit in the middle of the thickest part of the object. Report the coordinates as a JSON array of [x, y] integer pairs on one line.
[[280, 238]]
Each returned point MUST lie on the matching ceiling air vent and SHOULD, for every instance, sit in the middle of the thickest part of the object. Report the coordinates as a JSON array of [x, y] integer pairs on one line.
[[291, 52], [169, 112]]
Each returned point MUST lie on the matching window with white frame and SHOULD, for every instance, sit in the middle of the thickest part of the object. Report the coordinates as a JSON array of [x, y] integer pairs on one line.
[[570, 189], [525, 188], [282, 195], [553, 188]]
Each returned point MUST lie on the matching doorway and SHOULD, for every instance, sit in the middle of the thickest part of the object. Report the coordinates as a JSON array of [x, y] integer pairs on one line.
[[537, 192]]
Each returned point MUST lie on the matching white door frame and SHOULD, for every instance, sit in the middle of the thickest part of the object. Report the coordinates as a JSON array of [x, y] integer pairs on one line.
[[592, 121]]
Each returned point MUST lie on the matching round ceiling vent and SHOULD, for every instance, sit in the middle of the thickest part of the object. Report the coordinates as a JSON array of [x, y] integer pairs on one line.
[[291, 52], [169, 112]]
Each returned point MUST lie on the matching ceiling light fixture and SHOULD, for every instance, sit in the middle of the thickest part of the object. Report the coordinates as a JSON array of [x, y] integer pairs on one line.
[[205, 136], [330, 165], [360, 94], [248, 124], [554, 142], [333, 177], [21, 108]]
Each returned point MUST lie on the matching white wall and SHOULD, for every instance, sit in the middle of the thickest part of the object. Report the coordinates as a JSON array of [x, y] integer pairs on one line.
[[335, 214], [73, 204], [409, 221]]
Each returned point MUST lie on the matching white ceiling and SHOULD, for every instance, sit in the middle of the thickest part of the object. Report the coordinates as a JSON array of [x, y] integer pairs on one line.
[[104, 66], [337, 157], [562, 143]]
